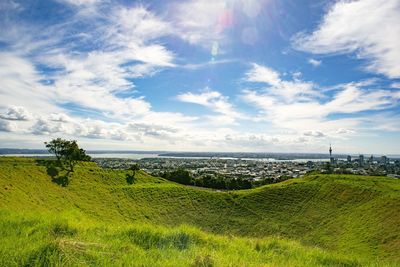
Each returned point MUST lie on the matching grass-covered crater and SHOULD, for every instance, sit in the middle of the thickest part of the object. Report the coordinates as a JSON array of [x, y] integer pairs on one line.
[[100, 219]]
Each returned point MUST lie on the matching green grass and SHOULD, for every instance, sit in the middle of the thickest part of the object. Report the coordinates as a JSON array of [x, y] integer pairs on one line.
[[320, 220], [61, 242]]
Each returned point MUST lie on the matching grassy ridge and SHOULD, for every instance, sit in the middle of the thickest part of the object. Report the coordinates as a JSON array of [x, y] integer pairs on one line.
[[352, 215], [49, 241]]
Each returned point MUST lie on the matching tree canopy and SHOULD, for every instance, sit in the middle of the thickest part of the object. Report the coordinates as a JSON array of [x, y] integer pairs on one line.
[[67, 152]]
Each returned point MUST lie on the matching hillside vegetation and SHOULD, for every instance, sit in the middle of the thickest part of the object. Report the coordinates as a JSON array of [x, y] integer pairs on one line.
[[98, 219]]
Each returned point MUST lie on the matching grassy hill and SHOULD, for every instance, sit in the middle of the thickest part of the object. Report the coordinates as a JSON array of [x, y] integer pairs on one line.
[[332, 220]]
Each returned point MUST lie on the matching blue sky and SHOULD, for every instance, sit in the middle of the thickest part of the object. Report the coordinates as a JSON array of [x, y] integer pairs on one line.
[[202, 75]]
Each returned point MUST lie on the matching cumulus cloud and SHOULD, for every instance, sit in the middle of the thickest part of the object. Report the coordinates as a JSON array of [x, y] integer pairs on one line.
[[59, 117], [76, 127], [6, 126], [314, 133], [16, 113], [344, 131], [369, 28], [43, 127], [60, 124], [154, 130], [101, 131]]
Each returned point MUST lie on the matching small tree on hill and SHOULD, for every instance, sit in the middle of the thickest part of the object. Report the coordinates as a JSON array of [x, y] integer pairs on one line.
[[67, 152], [130, 178], [134, 168], [57, 147], [73, 154]]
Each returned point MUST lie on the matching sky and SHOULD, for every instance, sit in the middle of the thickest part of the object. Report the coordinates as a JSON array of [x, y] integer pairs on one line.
[[202, 75]]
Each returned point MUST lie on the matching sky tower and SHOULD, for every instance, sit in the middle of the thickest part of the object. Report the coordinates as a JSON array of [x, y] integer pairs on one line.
[[331, 159]]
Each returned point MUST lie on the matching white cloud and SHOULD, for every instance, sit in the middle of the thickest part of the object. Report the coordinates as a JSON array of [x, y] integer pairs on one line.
[[16, 113], [216, 102], [315, 62], [314, 133], [76, 127], [317, 111], [6, 126], [130, 25], [207, 22], [20, 85], [202, 22], [80, 2], [344, 131], [88, 76], [388, 122], [44, 127], [153, 127], [263, 74], [288, 91], [121, 49], [83, 93], [205, 98], [196, 66], [102, 130], [59, 117], [370, 28], [154, 130]]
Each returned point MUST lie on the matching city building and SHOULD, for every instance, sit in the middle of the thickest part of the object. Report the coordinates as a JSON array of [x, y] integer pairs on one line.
[[361, 160], [370, 160]]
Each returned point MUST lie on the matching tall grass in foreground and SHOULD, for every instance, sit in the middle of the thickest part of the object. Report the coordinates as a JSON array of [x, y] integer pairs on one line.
[[45, 240]]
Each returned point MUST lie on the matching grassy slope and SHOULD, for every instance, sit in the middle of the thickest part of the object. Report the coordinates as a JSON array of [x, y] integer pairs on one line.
[[358, 216], [43, 240]]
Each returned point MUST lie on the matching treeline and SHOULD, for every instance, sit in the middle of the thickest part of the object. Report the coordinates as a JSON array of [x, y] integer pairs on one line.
[[216, 181]]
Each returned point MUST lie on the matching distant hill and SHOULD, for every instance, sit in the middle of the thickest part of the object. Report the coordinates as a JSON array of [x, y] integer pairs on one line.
[[319, 220]]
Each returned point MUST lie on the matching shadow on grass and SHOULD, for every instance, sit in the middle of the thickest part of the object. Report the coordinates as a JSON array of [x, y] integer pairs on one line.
[[53, 169], [130, 179]]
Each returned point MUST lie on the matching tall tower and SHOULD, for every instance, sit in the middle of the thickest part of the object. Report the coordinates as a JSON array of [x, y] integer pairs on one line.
[[331, 159]]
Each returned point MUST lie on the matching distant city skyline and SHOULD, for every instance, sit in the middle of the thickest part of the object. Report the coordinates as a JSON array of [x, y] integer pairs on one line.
[[202, 75]]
